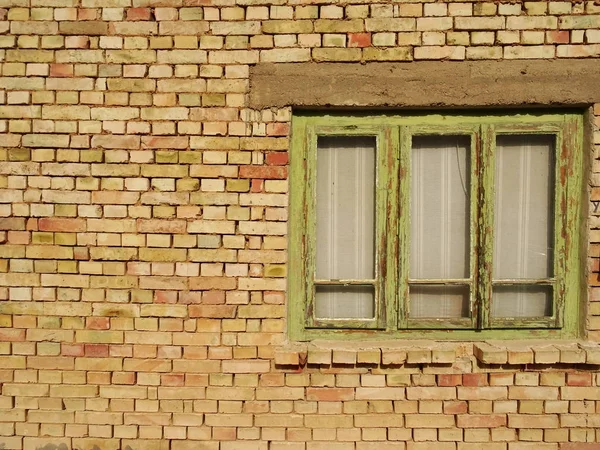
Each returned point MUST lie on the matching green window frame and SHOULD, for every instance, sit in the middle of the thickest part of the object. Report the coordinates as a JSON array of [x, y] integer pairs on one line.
[[393, 135]]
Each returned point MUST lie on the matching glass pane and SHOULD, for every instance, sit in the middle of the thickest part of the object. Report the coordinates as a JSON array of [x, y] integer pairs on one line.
[[523, 214], [439, 207], [439, 302], [521, 301], [345, 208], [345, 302]]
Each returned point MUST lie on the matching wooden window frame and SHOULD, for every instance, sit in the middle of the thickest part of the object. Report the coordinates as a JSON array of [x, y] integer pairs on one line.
[[393, 135]]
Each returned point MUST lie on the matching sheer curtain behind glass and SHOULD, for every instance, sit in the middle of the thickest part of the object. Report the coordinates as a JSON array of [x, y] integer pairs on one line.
[[523, 230], [345, 210], [439, 225]]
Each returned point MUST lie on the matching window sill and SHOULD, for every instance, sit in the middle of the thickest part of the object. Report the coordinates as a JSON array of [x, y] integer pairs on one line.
[[537, 352], [386, 353]]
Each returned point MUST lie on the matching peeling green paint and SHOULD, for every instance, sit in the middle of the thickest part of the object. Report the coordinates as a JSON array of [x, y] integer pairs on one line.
[[394, 136]]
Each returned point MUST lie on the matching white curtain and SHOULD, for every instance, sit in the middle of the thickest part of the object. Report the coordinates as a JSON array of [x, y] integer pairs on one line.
[[439, 224], [345, 209], [523, 228]]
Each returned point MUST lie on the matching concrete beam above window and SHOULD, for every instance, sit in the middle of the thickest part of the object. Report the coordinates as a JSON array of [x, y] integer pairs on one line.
[[427, 84]]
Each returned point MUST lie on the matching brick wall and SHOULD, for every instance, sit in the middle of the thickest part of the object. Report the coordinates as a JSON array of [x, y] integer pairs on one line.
[[143, 218]]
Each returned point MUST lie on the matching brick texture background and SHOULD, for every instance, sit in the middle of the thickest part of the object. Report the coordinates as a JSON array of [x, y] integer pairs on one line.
[[143, 218]]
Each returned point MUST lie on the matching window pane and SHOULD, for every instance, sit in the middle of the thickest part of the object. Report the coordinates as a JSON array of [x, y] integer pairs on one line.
[[521, 301], [439, 302], [345, 302], [523, 214], [440, 185], [345, 208]]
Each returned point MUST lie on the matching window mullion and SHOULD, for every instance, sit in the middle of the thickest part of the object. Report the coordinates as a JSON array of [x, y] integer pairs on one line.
[[485, 233], [474, 232], [403, 214], [387, 220]]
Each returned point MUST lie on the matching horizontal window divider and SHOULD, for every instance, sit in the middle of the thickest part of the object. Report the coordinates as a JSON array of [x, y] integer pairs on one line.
[[516, 128], [345, 282], [524, 322], [343, 323], [525, 282], [441, 323], [450, 282]]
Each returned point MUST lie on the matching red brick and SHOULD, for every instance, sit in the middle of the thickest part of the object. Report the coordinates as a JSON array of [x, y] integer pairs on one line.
[[71, 349], [139, 13], [213, 298], [263, 172], [449, 379], [123, 378], [475, 379], [481, 420], [165, 297], [134, 268], [224, 433], [501, 379], [96, 350], [19, 237], [172, 379], [278, 129], [329, 394], [7, 335], [579, 379], [455, 407], [277, 158], [81, 253], [59, 224], [87, 14], [61, 70], [31, 225], [79, 42], [559, 37], [359, 40], [257, 186], [97, 323]]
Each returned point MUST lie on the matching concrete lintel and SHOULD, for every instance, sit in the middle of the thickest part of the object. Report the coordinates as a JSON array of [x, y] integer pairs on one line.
[[426, 84]]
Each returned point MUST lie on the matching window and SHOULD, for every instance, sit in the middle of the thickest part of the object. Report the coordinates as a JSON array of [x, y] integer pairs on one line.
[[456, 226]]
